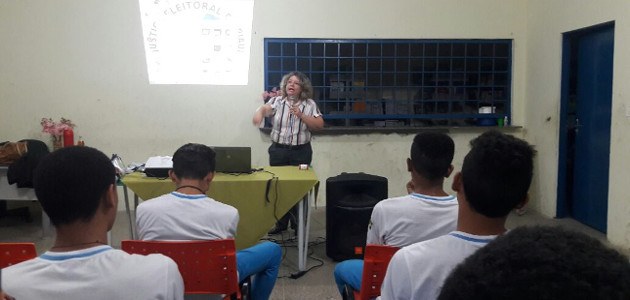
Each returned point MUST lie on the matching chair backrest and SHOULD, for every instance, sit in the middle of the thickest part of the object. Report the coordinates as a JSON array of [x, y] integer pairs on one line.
[[208, 267], [375, 263], [13, 253]]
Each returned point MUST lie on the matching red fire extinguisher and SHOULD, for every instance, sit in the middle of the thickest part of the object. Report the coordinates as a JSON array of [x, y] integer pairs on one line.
[[68, 138]]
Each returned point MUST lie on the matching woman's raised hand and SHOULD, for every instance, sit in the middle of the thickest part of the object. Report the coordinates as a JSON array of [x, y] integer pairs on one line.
[[273, 93]]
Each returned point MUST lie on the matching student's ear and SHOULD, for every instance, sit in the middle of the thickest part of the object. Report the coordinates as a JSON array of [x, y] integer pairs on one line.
[[449, 171], [172, 175], [409, 165], [523, 202], [209, 177], [457, 185], [109, 205], [110, 197]]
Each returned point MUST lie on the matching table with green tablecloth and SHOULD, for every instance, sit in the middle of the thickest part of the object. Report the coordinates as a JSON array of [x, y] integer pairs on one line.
[[260, 198]]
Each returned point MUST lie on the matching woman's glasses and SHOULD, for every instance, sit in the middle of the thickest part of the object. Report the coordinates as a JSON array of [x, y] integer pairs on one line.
[[294, 82]]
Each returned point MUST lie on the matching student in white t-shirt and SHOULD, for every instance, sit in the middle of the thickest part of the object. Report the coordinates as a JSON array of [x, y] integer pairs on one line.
[[427, 212], [188, 214], [77, 190], [541, 262], [495, 177]]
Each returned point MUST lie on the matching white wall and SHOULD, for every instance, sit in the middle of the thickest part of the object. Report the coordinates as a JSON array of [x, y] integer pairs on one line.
[[385, 154], [547, 20], [84, 60]]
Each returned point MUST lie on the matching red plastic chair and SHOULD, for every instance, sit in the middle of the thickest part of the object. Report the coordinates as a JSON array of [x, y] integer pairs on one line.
[[13, 253], [375, 264], [208, 267]]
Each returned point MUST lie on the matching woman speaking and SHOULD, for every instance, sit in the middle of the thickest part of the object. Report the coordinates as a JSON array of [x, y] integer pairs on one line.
[[294, 114]]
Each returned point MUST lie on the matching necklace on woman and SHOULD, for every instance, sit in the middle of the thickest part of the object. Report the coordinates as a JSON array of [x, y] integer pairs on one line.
[[190, 186], [77, 245]]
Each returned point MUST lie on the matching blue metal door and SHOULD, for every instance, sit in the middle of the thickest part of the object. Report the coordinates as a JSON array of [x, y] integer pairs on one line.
[[592, 127]]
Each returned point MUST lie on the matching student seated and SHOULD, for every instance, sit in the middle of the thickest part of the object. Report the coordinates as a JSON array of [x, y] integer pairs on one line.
[[188, 214], [427, 212], [494, 179], [541, 263], [77, 190]]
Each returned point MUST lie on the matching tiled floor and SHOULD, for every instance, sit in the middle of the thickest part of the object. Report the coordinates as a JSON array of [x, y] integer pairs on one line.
[[318, 283]]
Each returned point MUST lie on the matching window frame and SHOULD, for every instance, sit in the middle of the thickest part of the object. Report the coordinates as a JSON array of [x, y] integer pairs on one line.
[[376, 83]]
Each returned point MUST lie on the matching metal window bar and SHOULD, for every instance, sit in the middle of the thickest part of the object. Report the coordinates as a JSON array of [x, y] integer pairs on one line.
[[426, 82]]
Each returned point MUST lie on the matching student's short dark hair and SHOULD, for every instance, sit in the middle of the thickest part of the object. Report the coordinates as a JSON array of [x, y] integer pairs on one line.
[[194, 161], [541, 263], [71, 182], [432, 154], [497, 172]]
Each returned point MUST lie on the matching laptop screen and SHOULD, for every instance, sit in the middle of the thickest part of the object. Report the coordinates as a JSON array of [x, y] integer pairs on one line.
[[233, 159]]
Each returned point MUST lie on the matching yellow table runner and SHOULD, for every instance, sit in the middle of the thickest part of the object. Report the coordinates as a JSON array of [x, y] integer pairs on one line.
[[245, 192]]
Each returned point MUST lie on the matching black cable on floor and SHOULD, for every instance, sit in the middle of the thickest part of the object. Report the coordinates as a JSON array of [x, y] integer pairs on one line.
[[316, 242], [282, 243], [301, 273]]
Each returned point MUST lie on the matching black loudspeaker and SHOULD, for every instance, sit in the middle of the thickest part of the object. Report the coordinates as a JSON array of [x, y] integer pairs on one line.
[[350, 198]]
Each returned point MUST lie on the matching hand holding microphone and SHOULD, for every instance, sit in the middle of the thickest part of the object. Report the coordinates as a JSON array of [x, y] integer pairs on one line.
[[295, 108]]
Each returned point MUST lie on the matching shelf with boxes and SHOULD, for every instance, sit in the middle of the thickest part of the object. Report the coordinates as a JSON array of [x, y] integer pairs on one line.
[[381, 83]]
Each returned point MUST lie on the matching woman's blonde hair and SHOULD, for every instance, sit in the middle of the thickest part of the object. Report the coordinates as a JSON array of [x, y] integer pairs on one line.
[[305, 84]]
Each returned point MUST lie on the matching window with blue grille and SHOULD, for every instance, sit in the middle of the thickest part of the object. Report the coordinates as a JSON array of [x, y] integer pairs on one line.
[[400, 83]]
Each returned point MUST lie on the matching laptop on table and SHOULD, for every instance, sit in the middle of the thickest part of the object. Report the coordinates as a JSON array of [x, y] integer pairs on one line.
[[233, 159]]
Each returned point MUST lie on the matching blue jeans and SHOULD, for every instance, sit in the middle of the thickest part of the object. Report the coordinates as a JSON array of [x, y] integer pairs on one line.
[[260, 261], [349, 272]]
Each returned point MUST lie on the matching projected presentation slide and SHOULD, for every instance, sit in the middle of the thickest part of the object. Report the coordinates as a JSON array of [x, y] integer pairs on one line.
[[197, 42]]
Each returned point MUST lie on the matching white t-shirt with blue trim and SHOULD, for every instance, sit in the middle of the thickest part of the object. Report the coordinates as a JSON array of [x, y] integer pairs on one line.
[[99, 272], [419, 270], [413, 218], [177, 216]]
